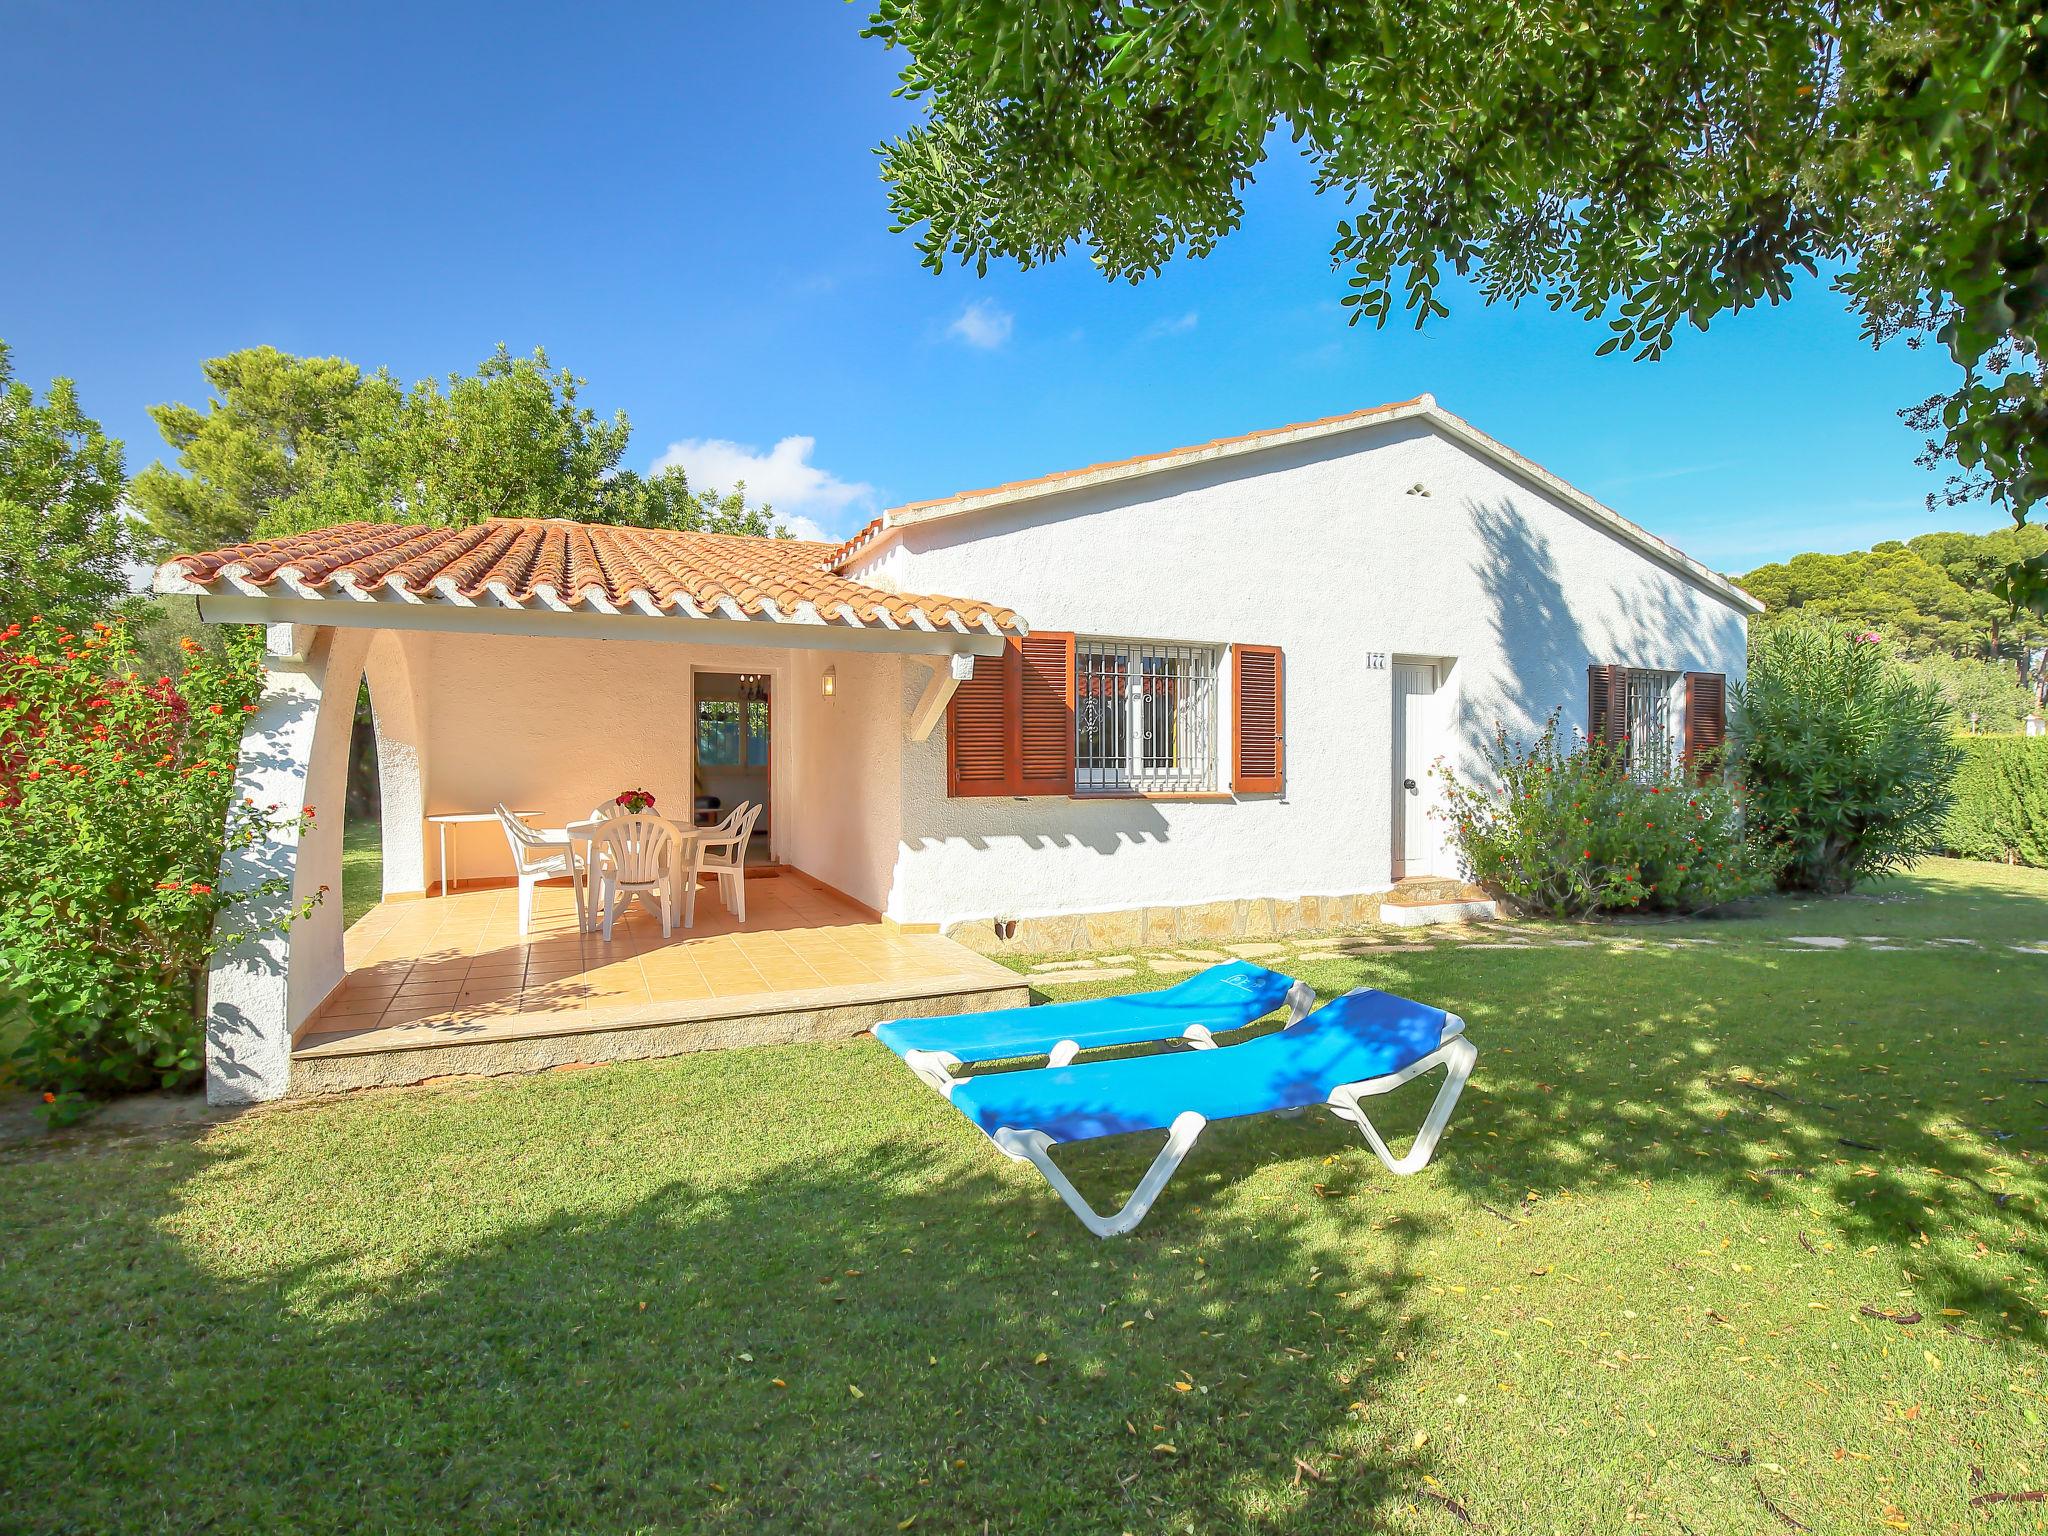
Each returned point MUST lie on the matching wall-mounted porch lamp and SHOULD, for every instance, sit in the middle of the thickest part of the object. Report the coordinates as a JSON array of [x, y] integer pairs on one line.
[[831, 681]]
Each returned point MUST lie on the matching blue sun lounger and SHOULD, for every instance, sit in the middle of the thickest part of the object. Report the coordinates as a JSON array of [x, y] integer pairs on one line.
[[1360, 1045], [1222, 998]]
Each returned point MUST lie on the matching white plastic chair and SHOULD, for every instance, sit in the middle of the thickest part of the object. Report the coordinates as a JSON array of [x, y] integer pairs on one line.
[[631, 856], [721, 829], [535, 857], [723, 854], [604, 810]]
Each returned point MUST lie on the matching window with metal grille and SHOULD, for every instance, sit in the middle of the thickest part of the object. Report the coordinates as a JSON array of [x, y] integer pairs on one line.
[[1144, 717], [1652, 746]]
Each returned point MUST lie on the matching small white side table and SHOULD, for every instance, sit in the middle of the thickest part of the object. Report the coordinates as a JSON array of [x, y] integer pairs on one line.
[[462, 819]]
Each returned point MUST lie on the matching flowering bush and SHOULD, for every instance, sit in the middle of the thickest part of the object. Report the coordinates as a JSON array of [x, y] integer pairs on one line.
[[1568, 832], [114, 813], [1845, 759]]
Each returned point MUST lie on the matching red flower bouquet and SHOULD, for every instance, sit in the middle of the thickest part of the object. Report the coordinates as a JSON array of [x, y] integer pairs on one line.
[[635, 801]]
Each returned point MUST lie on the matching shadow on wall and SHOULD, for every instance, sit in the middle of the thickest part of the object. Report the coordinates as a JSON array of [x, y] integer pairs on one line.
[[1550, 645], [1104, 826], [262, 873], [1533, 626]]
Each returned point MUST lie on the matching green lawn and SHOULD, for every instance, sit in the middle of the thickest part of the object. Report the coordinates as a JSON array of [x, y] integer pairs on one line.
[[362, 868], [1727, 1237]]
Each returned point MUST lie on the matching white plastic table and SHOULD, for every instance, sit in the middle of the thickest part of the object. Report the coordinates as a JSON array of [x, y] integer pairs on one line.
[[580, 834], [462, 819]]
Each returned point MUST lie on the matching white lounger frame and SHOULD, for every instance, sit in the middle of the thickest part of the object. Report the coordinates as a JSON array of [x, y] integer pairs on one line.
[[1456, 1055]]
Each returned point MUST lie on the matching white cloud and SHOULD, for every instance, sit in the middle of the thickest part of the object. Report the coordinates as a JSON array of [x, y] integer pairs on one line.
[[1173, 325], [807, 499], [984, 324], [805, 528]]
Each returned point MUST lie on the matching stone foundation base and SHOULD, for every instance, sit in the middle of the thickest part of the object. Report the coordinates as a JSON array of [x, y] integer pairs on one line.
[[1260, 917]]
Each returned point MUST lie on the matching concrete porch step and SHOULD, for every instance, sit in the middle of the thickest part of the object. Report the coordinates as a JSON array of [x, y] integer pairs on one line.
[[336, 1061], [1426, 914], [1423, 901]]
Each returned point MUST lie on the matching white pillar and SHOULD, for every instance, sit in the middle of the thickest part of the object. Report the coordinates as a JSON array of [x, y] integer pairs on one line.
[[294, 755], [397, 706]]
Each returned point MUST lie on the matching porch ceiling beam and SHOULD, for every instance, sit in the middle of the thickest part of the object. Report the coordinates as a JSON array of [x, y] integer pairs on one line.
[[938, 693], [230, 608]]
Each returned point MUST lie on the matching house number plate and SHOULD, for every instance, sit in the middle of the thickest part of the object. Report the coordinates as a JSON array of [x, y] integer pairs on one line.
[[1375, 661]]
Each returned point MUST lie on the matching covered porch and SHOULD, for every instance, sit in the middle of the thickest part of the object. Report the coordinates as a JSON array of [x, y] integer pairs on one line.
[[695, 666], [449, 984]]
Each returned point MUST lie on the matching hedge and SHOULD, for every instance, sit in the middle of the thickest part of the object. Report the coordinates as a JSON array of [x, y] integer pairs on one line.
[[2001, 801]]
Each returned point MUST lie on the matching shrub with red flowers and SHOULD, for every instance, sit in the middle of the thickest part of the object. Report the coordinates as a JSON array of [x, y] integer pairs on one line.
[[116, 794], [1566, 831]]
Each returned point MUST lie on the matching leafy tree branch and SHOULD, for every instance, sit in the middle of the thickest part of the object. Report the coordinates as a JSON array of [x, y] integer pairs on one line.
[[1649, 167]]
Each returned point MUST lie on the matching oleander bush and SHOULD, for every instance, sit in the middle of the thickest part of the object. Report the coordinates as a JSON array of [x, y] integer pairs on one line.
[[2000, 809], [1562, 829], [116, 793], [1845, 759]]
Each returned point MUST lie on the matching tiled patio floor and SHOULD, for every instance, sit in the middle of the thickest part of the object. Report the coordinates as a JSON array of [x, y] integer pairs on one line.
[[454, 969]]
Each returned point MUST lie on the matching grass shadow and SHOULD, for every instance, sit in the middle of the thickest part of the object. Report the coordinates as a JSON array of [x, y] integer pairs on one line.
[[838, 1341]]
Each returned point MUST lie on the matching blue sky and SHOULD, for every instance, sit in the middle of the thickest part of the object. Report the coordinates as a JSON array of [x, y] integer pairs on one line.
[[681, 204]]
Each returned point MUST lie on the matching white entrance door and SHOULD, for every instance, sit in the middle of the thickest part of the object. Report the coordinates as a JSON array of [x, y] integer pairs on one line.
[[1415, 748]]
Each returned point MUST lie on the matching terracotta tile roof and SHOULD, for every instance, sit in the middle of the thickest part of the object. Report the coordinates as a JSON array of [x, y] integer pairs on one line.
[[593, 567]]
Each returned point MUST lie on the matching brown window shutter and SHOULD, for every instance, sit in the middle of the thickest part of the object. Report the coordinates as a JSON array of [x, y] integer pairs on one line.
[[1706, 721], [1258, 717], [978, 731], [1606, 703], [1043, 680]]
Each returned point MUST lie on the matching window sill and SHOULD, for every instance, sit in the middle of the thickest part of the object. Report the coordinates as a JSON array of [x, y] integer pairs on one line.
[[1196, 795]]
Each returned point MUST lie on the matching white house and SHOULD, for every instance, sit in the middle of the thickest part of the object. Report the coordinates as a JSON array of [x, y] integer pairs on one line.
[[1196, 695]]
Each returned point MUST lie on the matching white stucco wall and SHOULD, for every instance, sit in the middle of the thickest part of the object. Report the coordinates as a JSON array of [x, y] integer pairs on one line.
[[843, 809], [1392, 540], [547, 725], [558, 726]]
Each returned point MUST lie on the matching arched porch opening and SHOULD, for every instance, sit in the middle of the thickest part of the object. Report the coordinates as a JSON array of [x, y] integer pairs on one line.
[[383, 848]]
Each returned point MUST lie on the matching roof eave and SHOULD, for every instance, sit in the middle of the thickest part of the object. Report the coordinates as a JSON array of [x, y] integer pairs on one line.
[[361, 610], [1137, 469]]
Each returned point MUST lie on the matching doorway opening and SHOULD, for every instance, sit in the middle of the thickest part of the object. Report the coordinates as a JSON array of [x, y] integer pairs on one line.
[[735, 717], [1418, 737]]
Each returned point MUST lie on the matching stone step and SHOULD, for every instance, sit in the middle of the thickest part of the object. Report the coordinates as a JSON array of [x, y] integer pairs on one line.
[[1425, 914]]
